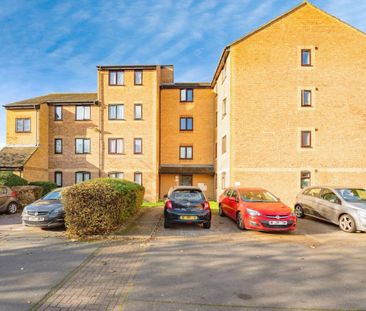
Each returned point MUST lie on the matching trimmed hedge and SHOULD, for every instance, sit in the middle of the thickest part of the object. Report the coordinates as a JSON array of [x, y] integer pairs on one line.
[[46, 186], [11, 180], [100, 206], [27, 194]]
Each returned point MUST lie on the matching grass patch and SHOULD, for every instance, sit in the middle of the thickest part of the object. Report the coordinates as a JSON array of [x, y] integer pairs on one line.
[[152, 204]]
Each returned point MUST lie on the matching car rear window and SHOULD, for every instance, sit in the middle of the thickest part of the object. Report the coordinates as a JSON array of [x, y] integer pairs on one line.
[[187, 195]]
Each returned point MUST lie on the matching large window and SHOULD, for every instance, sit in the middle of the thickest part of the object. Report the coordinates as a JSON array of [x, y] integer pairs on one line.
[[306, 98], [186, 95], [116, 112], [82, 176], [137, 146], [117, 77], [82, 113], [223, 145], [23, 125], [58, 113], [186, 180], [186, 124], [305, 139], [58, 179], [186, 152], [58, 146], [306, 57], [119, 175], [138, 111], [138, 77], [82, 145], [138, 178], [305, 179], [116, 145]]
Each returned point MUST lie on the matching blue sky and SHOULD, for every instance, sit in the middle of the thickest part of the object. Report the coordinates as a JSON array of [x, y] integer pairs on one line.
[[54, 46]]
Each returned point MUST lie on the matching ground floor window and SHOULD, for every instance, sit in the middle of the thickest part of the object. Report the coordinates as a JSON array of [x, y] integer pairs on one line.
[[58, 179], [186, 180], [119, 175], [223, 180], [138, 178], [305, 179], [82, 176]]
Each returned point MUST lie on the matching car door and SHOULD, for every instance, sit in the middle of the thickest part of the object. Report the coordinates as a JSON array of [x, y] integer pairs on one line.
[[233, 203], [225, 202], [329, 205], [3, 198], [310, 202]]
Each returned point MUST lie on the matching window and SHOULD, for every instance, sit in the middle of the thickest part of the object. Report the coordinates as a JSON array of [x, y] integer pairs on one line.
[[305, 57], [58, 179], [137, 178], [116, 112], [223, 180], [58, 146], [305, 179], [23, 125], [223, 145], [119, 175], [116, 77], [305, 139], [330, 196], [314, 192], [3, 190], [186, 124], [58, 113], [82, 113], [138, 111], [186, 180], [224, 107], [82, 145], [137, 146], [82, 176], [306, 98], [116, 146], [138, 77], [186, 95], [186, 152]]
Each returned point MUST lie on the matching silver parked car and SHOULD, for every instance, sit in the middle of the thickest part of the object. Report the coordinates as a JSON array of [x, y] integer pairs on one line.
[[345, 207]]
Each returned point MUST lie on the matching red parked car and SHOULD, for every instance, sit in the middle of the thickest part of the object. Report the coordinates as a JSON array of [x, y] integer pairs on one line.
[[258, 209]]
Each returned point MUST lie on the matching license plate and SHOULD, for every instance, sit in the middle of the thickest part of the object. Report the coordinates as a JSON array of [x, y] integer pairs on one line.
[[36, 218], [278, 223], [188, 217]]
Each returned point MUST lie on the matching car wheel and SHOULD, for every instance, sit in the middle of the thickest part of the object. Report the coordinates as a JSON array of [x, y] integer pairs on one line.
[[12, 208], [240, 221], [299, 212], [207, 225], [347, 223], [221, 212], [167, 224]]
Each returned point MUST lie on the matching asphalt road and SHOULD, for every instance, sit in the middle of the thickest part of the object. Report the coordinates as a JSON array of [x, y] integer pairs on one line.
[[32, 261]]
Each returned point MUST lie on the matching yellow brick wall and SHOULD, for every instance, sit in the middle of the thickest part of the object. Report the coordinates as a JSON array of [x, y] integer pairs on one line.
[[14, 138]]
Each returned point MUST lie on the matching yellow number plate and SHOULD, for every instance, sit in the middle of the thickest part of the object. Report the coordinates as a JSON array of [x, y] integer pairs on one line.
[[188, 217]]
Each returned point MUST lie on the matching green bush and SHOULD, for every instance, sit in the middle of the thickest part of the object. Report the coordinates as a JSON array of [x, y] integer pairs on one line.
[[46, 186], [11, 180], [100, 206]]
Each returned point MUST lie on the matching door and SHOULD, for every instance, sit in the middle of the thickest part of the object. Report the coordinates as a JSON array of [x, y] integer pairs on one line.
[[329, 205], [186, 180]]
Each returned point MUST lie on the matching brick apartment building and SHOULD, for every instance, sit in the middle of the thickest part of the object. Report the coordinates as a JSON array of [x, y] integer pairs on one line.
[[285, 109]]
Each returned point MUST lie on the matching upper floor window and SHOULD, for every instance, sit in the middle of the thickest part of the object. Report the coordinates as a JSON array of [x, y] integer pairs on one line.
[[186, 124], [137, 146], [306, 98], [305, 139], [58, 113], [305, 179], [137, 178], [82, 145], [223, 145], [23, 125], [82, 113], [58, 179], [119, 175], [58, 146], [117, 77], [82, 176], [224, 107], [305, 57], [116, 112], [138, 77], [138, 111], [186, 95], [186, 152], [116, 146]]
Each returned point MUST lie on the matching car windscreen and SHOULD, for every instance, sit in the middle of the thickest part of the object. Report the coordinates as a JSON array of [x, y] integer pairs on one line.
[[352, 194], [56, 195], [187, 196], [257, 196]]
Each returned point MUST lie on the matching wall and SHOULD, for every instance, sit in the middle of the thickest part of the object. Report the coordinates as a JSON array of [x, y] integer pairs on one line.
[[14, 138]]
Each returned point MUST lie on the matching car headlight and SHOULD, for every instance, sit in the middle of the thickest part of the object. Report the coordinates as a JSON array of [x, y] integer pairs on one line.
[[25, 211], [253, 212], [362, 214], [55, 212]]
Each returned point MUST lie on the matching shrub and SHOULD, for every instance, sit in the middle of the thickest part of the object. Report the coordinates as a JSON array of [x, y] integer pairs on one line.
[[100, 206], [9, 179], [27, 194], [47, 186]]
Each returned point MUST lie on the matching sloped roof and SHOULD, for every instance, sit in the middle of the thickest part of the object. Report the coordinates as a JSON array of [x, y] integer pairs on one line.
[[55, 98], [15, 157]]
